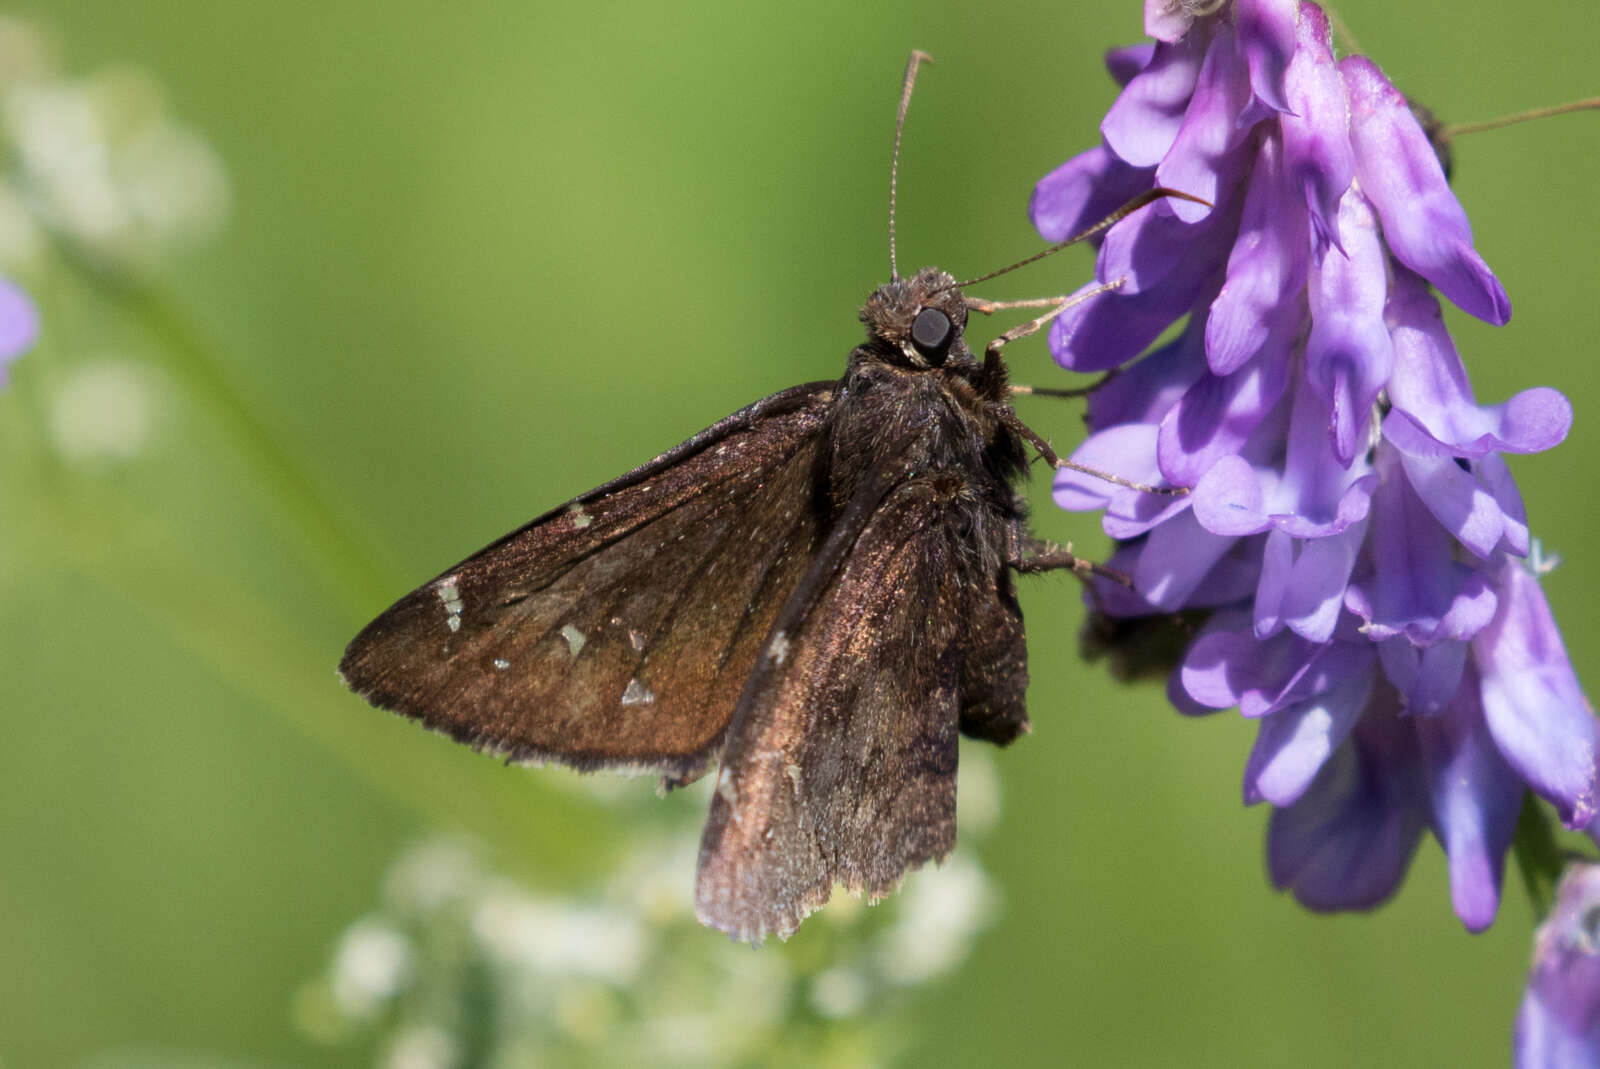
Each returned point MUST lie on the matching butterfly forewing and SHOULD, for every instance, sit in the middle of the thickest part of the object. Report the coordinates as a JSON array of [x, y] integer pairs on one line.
[[818, 589], [617, 630], [840, 763]]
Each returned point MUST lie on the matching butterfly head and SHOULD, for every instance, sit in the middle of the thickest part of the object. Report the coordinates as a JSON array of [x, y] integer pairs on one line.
[[918, 322]]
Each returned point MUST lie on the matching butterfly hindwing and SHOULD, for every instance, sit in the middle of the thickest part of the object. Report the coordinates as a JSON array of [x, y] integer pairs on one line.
[[617, 630], [994, 672], [840, 763]]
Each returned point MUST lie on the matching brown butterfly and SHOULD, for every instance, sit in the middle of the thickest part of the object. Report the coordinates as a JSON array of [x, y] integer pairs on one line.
[[816, 591]]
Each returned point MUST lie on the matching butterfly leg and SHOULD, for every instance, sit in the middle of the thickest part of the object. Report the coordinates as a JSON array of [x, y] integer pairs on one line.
[[991, 352], [995, 373], [1019, 390], [1014, 423], [1046, 557], [989, 308]]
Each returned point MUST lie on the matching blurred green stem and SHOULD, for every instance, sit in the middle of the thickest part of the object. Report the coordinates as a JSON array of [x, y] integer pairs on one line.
[[351, 560], [248, 641]]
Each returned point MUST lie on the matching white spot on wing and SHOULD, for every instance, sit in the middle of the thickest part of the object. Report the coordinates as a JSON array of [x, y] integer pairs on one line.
[[636, 640], [779, 648], [501, 663], [574, 637], [636, 694], [580, 518], [793, 772], [450, 595]]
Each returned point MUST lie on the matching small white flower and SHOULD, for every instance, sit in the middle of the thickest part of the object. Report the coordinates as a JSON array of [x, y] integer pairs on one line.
[[560, 938], [840, 992], [653, 876], [424, 1047], [431, 875], [370, 967], [940, 911], [100, 161], [977, 790], [104, 411]]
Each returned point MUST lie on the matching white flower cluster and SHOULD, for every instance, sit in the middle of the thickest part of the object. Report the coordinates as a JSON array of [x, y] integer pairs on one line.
[[463, 965], [96, 162]]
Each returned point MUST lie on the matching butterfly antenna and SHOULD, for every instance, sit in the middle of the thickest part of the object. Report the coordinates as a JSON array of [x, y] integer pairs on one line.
[[1147, 197], [917, 59]]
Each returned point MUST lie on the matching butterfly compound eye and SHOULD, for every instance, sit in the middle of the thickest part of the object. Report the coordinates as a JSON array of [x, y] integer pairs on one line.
[[930, 333]]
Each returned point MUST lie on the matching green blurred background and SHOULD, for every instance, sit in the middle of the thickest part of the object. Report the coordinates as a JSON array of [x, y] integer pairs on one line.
[[485, 256]]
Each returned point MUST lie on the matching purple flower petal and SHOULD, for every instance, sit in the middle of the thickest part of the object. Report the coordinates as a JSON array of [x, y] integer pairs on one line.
[[1108, 330], [1293, 743], [1181, 701], [1277, 565], [1228, 664], [1083, 191], [1348, 354], [1555, 1036], [1222, 664], [1112, 598], [1317, 156], [1426, 677], [1216, 416], [1415, 588], [1496, 477], [1457, 500], [1316, 494], [1144, 121], [1167, 20], [1146, 390], [1430, 386], [1232, 578], [1078, 491], [1475, 797], [1123, 63], [1349, 839], [1559, 1022], [1206, 158], [1267, 39], [1318, 580], [1425, 226], [1261, 307], [1178, 555], [1539, 717], [1476, 501], [1229, 499], [1128, 452], [1148, 245]]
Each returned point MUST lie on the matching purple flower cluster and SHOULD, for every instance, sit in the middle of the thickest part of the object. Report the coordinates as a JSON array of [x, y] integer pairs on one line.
[[1559, 1023], [1350, 522]]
